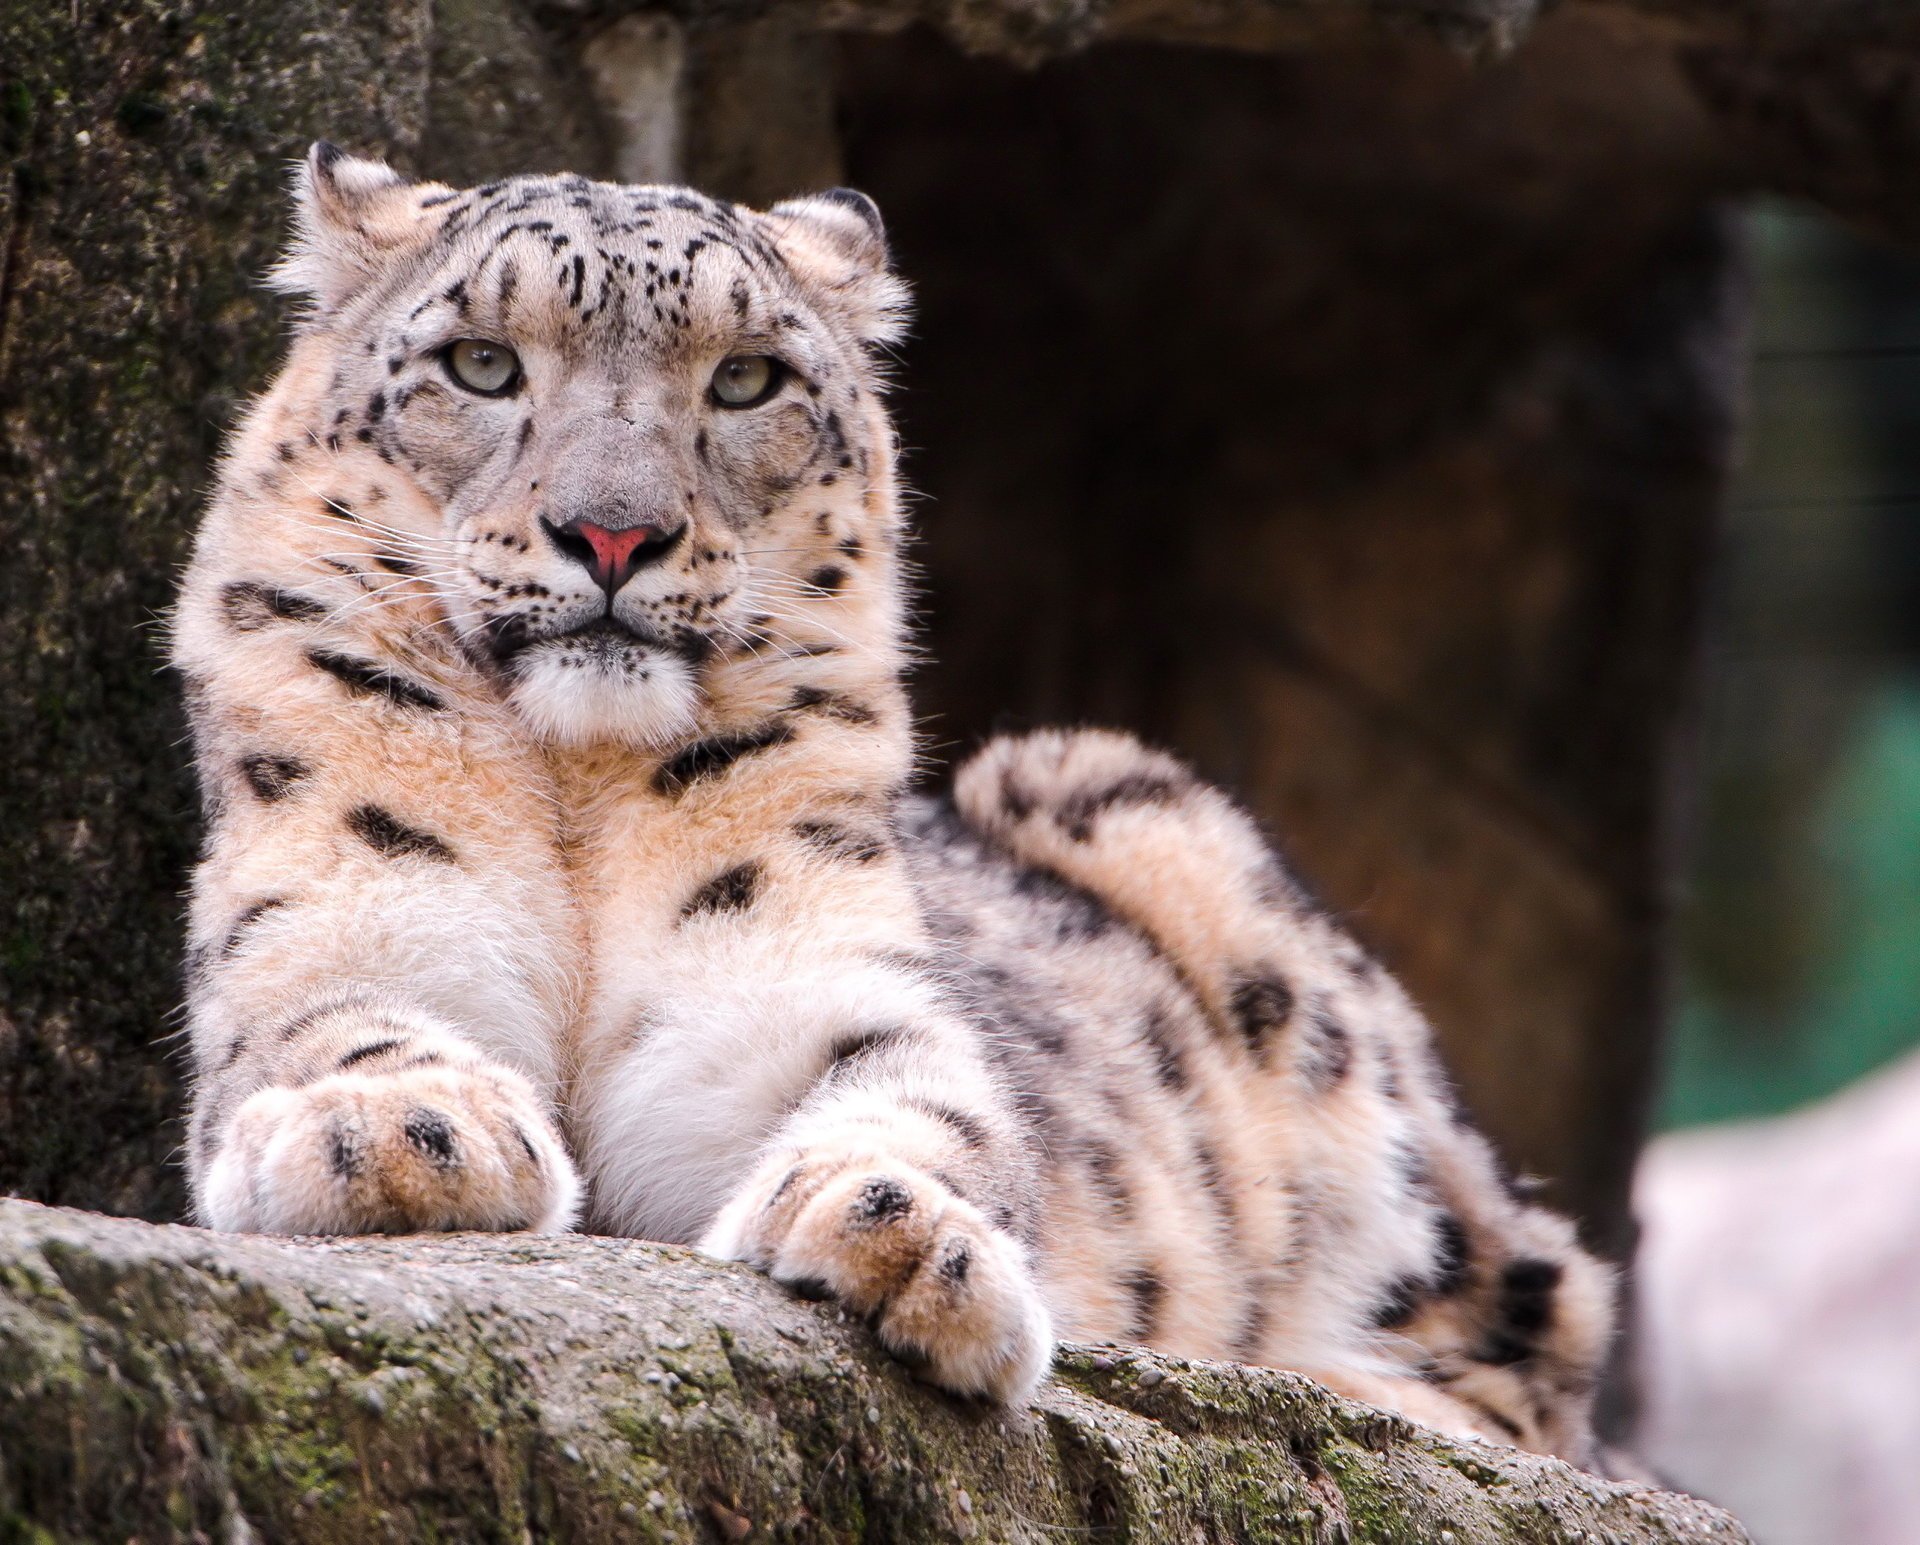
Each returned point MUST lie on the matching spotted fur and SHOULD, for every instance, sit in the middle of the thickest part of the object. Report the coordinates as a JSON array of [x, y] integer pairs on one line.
[[495, 854]]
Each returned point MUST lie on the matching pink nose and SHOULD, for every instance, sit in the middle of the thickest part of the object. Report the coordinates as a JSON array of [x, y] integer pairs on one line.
[[612, 556]]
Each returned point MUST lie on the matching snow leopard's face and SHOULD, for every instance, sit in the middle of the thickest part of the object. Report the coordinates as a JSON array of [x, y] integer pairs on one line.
[[627, 403]]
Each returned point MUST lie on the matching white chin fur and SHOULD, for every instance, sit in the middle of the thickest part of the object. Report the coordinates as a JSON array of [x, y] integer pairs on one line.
[[637, 698]]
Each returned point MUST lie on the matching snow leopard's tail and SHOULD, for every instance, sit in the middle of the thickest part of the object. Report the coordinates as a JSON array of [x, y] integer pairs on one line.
[[1510, 1317]]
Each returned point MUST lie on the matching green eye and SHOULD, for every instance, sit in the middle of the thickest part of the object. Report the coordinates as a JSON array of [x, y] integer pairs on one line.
[[747, 380], [492, 369]]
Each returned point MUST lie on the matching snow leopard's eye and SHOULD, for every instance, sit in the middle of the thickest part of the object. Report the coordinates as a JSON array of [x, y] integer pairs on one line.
[[747, 380], [491, 369]]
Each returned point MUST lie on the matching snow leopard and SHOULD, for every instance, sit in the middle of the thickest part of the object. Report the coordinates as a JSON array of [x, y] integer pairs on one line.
[[566, 864]]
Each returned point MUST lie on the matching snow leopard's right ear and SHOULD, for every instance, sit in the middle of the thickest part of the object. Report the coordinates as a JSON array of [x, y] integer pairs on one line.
[[352, 217]]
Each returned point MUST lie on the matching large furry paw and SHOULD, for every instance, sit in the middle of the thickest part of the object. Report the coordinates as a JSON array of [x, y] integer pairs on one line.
[[946, 1291], [410, 1151]]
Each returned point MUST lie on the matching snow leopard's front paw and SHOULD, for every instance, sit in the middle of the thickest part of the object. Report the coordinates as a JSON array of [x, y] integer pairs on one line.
[[945, 1290], [409, 1151]]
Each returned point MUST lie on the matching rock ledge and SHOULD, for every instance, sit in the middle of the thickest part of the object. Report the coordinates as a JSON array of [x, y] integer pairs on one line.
[[160, 1382]]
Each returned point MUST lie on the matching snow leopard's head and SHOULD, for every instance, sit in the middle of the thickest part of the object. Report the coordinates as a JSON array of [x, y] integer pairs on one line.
[[647, 420]]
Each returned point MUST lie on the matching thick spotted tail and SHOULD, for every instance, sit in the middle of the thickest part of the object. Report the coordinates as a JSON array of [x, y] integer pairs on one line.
[[1503, 1312], [1518, 1332]]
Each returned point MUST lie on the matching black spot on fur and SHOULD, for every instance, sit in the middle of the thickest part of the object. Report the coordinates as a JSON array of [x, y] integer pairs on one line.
[[1454, 1256], [1024, 1018], [526, 1144], [366, 1053], [850, 1049], [1306, 1223], [969, 1129], [390, 837], [1326, 1051], [431, 1133], [1103, 1168], [271, 777], [786, 1185], [827, 579], [365, 679], [1390, 1082], [881, 1200], [710, 758], [506, 637], [346, 1152], [1397, 1306], [1261, 1004], [1214, 1179], [1078, 811], [833, 704], [246, 918], [1075, 913], [732, 890], [250, 605], [1252, 1336], [1169, 1065], [1029, 1022], [1149, 1296], [1524, 1309], [301, 1023], [955, 1262], [841, 841]]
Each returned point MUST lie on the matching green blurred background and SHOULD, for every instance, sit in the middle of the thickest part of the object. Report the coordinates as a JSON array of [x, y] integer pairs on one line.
[[1800, 942]]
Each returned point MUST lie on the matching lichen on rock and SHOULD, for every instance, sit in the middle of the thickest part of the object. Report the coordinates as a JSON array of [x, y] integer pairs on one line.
[[160, 1382]]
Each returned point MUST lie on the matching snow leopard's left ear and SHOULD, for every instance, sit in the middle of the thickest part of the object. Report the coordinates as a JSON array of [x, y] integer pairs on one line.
[[836, 243], [352, 218]]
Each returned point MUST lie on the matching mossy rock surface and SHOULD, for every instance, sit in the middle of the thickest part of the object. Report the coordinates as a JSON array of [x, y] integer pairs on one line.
[[166, 1383]]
